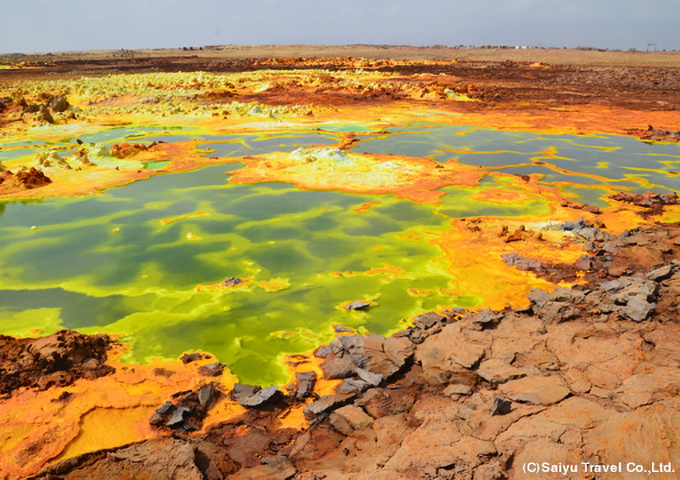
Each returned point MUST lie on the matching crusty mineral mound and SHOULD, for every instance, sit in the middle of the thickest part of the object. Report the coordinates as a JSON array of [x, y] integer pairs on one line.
[[56, 360], [32, 178]]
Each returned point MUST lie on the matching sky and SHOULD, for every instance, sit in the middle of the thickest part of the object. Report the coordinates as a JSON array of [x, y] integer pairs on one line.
[[65, 25]]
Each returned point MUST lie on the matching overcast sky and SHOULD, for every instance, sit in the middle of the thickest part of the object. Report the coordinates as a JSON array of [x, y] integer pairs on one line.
[[62, 25]]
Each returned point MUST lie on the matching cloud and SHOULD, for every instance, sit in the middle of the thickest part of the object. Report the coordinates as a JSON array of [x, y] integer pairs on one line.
[[393, 10], [158, 23], [521, 5]]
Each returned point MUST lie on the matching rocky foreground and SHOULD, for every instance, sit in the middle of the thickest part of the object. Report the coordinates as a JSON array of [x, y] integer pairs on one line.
[[588, 374]]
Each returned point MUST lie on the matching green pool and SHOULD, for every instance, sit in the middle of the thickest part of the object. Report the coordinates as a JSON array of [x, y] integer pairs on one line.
[[108, 263]]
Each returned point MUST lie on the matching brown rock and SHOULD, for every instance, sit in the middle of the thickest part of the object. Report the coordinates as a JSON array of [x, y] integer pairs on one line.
[[536, 389], [317, 449], [501, 406], [367, 352], [398, 350], [44, 115], [492, 471], [440, 445], [577, 380], [410, 429], [457, 390], [643, 433], [211, 370], [452, 349], [58, 104], [641, 389], [273, 468], [383, 402], [192, 357], [336, 367], [542, 451], [350, 418], [473, 406], [496, 371], [467, 354], [603, 376]]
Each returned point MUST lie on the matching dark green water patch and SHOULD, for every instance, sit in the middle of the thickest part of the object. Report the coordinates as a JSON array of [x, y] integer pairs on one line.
[[131, 134]]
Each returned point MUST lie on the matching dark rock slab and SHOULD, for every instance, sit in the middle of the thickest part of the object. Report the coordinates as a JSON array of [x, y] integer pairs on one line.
[[429, 320], [157, 420], [661, 273], [372, 379], [167, 407], [559, 312], [357, 305], [206, 395], [587, 230], [323, 351], [177, 417], [631, 297], [352, 385], [538, 297], [188, 411], [637, 309], [501, 406], [328, 403], [513, 259], [254, 396], [341, 329], [44, 115], [305, 382]]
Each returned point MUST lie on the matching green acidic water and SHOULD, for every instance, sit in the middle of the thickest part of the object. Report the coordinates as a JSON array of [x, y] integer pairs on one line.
[[107, 263], [75, 270]]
